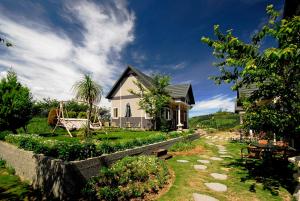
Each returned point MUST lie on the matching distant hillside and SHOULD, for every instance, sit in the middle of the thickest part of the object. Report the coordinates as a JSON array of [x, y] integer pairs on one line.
[[218, 120]]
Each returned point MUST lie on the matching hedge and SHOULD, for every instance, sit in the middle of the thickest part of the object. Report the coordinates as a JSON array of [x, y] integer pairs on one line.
[[129, 178], [72, 150]]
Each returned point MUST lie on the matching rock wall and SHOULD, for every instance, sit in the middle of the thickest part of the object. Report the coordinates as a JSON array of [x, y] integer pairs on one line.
[[65, 180]]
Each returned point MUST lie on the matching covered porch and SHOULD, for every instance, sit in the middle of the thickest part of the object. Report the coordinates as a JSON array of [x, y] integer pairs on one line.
[[180, 111]]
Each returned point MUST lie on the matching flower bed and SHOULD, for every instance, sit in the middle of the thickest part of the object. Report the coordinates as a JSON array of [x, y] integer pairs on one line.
[[79, 150], [131, 177]]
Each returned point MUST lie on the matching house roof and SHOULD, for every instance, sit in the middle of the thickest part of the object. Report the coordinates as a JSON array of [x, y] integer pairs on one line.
[[176, 91]]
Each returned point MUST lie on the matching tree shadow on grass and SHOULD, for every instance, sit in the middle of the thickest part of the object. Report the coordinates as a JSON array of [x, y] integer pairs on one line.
[[271, 173]]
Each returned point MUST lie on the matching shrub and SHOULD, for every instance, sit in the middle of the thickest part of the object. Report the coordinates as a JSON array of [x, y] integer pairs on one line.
[[129, 178], [184, 145], [72, 114], [15, 103], [82, 115], [64, 150], [52, 117]]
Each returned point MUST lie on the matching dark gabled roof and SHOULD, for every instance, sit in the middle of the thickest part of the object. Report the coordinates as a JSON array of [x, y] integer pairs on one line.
[[180, 91], [176, 91], [246, 91], [145, 79]]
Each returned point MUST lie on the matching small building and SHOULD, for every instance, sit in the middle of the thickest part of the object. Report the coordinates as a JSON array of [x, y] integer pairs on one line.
[[125, 110]]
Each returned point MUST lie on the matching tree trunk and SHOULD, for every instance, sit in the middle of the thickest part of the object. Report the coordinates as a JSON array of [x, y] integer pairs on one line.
[[89, 118]]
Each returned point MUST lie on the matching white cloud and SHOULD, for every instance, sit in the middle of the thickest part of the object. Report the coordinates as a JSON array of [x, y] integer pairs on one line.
[[213, 104], [49, 62], [179, 66]]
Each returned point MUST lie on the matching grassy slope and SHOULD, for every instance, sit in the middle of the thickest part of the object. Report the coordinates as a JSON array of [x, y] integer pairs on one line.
[[189, 181], [11, 188], [218, 120]]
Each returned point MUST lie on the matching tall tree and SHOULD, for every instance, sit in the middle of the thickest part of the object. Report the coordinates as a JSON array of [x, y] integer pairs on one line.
[[15, 103], [275, 71], [154, 98], [89, 91]]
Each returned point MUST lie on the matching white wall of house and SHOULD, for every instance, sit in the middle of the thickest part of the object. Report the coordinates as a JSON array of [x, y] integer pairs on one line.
[[121, 102]]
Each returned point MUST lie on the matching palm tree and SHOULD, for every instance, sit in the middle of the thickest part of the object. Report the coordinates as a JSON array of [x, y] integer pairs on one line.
[[89, 91]]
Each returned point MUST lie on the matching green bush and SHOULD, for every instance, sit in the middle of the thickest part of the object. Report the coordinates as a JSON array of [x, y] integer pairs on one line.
[[82, 115], [184, 145], [128, 178], [75, 150], [65, 150], [110, 147], [72, 114], [15, 103]]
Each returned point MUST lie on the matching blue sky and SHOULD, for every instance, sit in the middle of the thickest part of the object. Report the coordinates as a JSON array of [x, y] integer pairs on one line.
[[55, 42]]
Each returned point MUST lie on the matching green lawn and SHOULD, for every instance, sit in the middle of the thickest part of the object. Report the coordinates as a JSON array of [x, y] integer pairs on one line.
[[39, 126], [256, 181], [11, 188]]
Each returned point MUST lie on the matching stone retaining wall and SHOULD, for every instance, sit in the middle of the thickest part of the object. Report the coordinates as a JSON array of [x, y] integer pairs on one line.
[[65, 179]]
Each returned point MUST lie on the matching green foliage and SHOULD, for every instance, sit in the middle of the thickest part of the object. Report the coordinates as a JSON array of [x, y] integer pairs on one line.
[[11, 186], [274, 71], [154, 98], [72, 114], [129, 178], [88, 91], [74, 149], [43, 107], [165, 125], [15, 103], [184, 145], [218, 120], [82, 115], [65, 150], [52, 117]]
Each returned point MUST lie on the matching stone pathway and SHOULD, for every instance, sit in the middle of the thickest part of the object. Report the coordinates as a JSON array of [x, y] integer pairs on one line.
[[216, 187], [202, 197], [204, 161], [216, 158], [219, 176], [182, 161], [226, 156], [200, 167]]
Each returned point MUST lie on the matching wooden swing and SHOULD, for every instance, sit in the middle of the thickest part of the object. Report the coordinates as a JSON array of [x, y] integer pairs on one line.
[[75, 123]]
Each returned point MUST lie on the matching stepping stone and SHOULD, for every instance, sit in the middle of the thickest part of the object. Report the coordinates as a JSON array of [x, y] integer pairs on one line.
[[204, 161], [182, 161], [226, 156], [219, 176], [200, 167], [202, 197], [221, 147], [225, 169], [216, 187], [216, 158], [223, 152]]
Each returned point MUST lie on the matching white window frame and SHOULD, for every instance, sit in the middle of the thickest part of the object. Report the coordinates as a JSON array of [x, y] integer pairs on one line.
[[168, 113], [115, 117]]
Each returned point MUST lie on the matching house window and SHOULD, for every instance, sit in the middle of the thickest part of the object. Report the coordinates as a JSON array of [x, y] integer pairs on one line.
[[128, 110], [115, 112], [168, 114]]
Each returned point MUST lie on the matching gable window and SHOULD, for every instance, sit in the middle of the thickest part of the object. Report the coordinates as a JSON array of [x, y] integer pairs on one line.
[[115, 112], [128, 110]]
